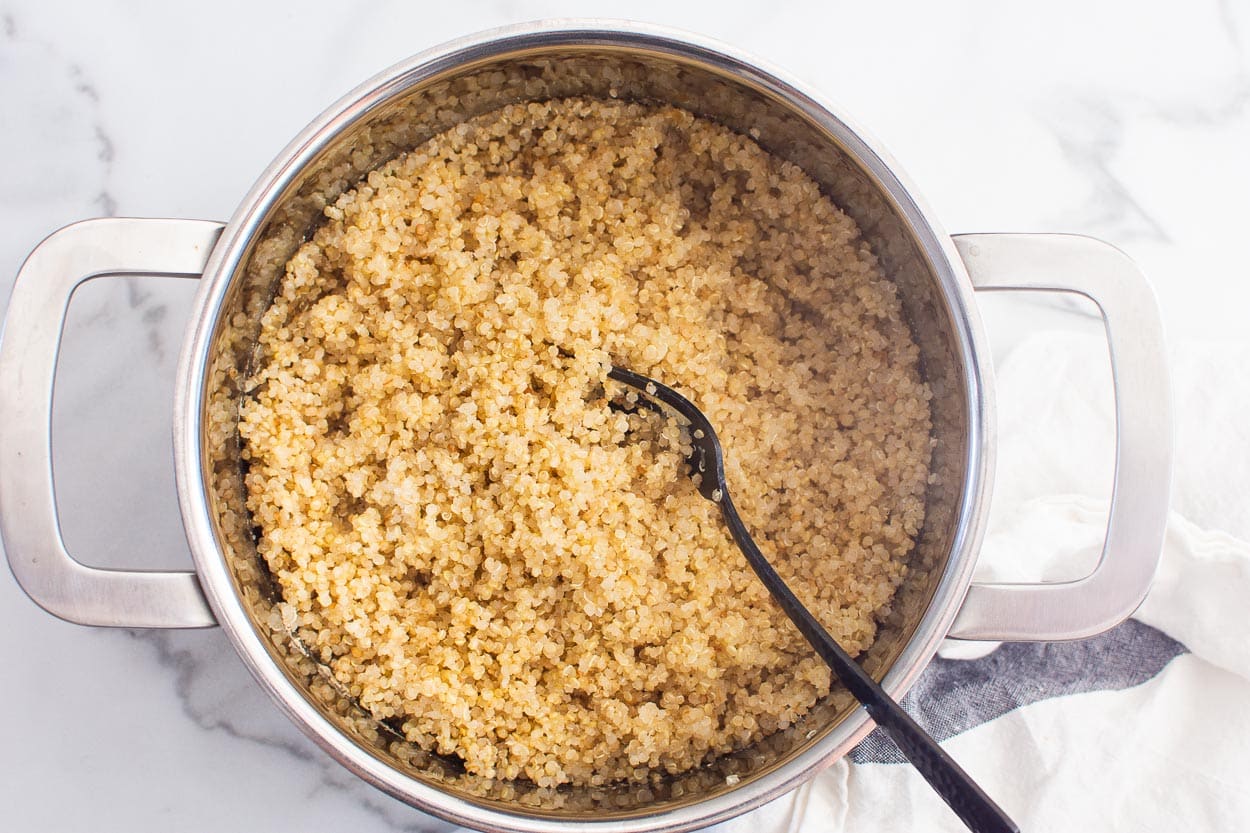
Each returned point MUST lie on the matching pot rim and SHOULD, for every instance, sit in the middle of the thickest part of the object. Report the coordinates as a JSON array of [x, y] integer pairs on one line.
[[214, 573]]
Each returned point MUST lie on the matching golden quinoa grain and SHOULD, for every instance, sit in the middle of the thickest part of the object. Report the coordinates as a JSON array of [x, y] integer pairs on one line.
[[477, 545]]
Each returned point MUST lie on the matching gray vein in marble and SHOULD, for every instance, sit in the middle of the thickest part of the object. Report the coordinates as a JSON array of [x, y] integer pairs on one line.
[[152, 318], [1089, 134], [1228, 22], [105, 151], [203, 663], [1089, 131], [105, 200], [102, 315], [138, 298], [136, 295], [82, 84]]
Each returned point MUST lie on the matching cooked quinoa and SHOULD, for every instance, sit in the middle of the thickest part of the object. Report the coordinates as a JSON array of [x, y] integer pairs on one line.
[[477, 544]]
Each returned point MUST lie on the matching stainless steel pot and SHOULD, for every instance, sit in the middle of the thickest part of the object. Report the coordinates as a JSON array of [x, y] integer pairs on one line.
[[238, 264]]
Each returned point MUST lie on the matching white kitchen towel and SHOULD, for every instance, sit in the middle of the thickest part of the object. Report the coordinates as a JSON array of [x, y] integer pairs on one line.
[[1145, 728]]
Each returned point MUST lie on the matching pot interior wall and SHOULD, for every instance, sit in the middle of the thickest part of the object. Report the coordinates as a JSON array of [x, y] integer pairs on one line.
[[425, 103]]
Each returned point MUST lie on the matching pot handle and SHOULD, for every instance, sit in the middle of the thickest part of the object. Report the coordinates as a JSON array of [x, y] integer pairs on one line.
[[1143, 454], [29, 346]]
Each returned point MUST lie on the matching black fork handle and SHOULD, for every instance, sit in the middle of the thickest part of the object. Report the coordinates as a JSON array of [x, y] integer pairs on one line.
[[976, 809]]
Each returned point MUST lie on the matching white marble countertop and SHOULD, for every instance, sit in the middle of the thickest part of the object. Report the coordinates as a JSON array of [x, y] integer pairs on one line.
[[1125, 120]]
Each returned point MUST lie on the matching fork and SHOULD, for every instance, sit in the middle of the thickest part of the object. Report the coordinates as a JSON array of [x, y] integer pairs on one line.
[[973, 806]]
